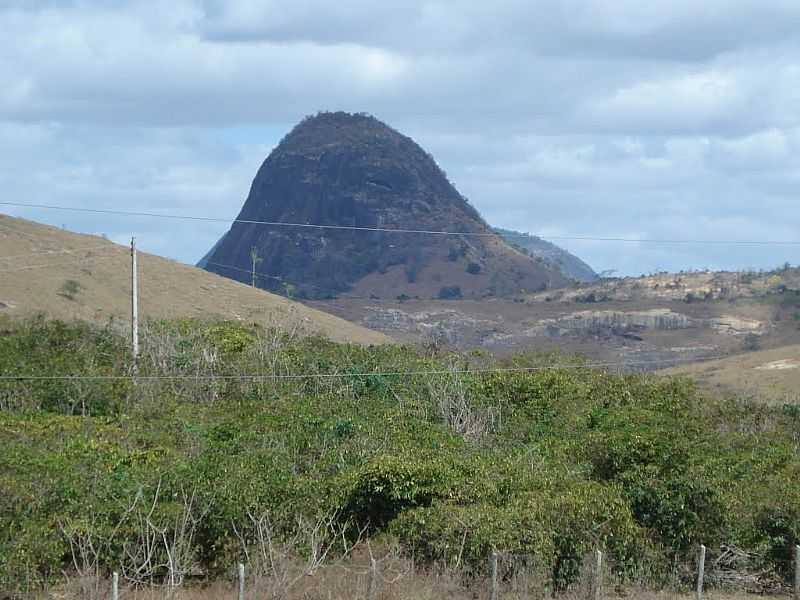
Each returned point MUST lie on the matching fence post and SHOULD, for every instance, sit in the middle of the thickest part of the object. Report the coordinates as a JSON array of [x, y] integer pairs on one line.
[[372, 584], [493, 563], [797, 572], [701, 569], [241, 581], [115, 586], [597, 580]]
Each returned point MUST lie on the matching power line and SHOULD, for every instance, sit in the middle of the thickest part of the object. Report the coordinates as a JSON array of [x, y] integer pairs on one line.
[[344, 375], [400, 230], [262, 275]]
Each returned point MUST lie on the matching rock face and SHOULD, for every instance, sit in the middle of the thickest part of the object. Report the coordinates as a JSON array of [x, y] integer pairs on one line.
[[566, 262], [350, 170]]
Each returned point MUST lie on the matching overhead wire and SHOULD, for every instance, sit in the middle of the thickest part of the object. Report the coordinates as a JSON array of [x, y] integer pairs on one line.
[[351, 228], [400, 230], [260, 275], [348, 374]]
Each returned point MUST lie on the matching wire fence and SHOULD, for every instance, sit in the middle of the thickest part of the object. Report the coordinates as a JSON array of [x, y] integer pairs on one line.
[[363, 573]]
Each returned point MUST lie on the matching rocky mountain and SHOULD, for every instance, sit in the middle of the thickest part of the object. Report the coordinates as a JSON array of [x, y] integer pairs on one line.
[[569, 264], [351, 171]]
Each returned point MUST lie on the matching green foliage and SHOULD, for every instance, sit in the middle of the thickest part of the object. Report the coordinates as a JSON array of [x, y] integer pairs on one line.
[[569, 459], [450, 292], [230, 338], [52, 348], [70, 289], [473, 268]]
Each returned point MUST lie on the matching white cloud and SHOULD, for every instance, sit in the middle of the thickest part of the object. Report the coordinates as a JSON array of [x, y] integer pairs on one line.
[[671, 119]]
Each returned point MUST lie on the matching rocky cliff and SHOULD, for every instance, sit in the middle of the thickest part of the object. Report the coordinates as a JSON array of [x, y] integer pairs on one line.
[[353, 171]]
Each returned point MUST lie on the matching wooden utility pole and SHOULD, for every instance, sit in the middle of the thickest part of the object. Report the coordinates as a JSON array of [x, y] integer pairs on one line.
[[134, 302], [254, 259]]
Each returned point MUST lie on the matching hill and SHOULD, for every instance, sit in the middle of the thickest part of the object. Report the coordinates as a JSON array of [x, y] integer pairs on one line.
[[67, 275], [566, 262], [351, 170], [781, 285], [637, 323]]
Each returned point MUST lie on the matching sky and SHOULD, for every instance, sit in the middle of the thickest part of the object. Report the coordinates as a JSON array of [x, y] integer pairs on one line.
[[668, 119]]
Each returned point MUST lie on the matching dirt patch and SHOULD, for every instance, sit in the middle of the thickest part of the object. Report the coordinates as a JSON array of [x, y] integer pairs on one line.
[[780, 365]]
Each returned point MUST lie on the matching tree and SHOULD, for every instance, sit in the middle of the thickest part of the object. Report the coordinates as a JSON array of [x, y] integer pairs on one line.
[[473, 268]]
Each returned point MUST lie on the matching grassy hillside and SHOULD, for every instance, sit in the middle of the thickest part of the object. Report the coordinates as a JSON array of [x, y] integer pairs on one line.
[[767, 375], [197, 464], [68, 275]]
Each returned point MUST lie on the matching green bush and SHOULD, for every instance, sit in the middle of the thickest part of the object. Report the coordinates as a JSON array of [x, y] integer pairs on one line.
[[452, 292], [569, 459]]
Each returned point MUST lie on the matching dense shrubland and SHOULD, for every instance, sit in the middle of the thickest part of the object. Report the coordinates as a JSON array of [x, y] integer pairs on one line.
[[191, 468]]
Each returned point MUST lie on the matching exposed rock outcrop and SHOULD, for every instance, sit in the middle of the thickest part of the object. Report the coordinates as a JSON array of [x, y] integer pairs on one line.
[[346, 170]]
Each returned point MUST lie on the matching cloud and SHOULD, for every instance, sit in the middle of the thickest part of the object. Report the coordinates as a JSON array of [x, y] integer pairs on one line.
[[672, 119]]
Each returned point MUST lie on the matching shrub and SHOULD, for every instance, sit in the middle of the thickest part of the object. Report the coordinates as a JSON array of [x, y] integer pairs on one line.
[[570, 459], [450, 292], [70, 289], [751, 343], [473, 268], [389, 484], [230, 338], [556, 526]]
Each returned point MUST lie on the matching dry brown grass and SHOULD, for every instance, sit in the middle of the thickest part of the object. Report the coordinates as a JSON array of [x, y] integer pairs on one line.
[[394, 578], [771, 376], [419, 586], [46, 270]]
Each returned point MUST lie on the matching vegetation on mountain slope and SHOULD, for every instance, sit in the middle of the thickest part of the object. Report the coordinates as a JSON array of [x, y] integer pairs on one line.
[[566, 262], [190, 462]]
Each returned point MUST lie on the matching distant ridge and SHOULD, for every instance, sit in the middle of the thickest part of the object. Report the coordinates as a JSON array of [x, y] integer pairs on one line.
[[353, 170], [566, 262]]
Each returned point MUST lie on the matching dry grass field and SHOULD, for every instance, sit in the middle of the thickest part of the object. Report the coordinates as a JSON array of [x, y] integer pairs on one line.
[[67, 275], [769, 375], [344, 584]]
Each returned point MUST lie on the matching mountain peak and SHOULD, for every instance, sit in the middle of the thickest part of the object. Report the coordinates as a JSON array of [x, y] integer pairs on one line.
[[353, 170]]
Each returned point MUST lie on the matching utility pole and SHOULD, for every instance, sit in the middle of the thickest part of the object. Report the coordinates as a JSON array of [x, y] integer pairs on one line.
[[254, 259], [134, 302]]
